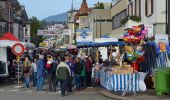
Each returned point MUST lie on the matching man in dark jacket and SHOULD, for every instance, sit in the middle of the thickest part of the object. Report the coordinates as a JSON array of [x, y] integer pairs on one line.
[[40, 72], [89, 66], [63, 73], [78, 70]]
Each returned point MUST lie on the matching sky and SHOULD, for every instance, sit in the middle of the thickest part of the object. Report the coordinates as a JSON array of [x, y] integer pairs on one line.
[[44, 8]]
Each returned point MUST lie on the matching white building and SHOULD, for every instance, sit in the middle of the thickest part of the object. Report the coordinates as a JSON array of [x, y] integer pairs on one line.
[[152, 12]]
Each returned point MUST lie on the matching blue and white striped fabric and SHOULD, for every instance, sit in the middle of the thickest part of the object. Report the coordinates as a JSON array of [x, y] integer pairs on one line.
[[118, 82]]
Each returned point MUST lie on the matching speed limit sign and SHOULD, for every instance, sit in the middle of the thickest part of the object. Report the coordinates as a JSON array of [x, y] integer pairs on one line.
[[18, 49]]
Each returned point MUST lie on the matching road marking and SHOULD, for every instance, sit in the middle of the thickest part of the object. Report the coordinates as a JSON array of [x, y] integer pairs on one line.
[[13, 90], [2, 90]]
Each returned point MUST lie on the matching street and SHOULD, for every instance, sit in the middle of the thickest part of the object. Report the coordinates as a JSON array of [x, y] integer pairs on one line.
[[9, 92]]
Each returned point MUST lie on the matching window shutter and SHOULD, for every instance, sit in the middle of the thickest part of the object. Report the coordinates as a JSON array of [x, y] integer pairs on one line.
[[152, 6], [146, 7]]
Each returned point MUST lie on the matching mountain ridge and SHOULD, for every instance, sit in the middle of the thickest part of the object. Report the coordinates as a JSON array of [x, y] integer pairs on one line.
[[62, 17]]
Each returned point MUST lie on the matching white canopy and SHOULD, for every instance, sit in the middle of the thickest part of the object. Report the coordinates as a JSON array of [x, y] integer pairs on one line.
[[8, 43]]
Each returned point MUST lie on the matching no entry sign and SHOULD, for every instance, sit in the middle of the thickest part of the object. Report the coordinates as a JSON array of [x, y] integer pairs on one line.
[[18, 49]]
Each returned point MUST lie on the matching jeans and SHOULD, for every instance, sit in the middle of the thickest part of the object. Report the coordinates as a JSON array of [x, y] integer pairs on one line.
[[69, 84], [40, 83], [27, 81], [49, 78], [88, 79], [54, 82], [83, 84], [63, 86], [78, 81], [34, 79]]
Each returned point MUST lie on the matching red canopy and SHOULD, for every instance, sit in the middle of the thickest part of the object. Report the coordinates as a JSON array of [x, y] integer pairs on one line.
[[9, 36]]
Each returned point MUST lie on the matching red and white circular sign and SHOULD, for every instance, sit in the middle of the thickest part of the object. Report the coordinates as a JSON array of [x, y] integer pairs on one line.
[[18, 49]]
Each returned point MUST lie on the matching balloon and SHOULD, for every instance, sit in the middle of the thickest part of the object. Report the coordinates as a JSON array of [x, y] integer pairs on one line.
[[135, 66], [129, 49], [125, 34], [139, 53], [130, 57], [139, 48], [127, 39], [140, 59], [131, 32], [136, 29], [136, 39]]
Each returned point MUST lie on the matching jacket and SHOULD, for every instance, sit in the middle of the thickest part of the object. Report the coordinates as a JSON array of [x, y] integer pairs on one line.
[[41, 68], [63, 71], [78, 68], [88, 65]]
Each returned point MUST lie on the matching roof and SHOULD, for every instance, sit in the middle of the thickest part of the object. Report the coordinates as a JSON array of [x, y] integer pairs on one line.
[[84, 10], [9, 36]]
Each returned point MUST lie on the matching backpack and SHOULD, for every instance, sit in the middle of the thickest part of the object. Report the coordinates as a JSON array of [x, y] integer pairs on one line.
[[48, 66]]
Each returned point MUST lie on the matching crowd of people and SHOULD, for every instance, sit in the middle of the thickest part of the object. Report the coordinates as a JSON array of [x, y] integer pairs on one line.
[[69, 72]]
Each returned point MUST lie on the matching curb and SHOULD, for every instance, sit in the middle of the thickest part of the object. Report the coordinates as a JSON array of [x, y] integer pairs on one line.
[[113, 96]]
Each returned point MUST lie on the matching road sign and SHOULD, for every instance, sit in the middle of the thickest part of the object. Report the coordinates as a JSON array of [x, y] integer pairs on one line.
[[18, 49]]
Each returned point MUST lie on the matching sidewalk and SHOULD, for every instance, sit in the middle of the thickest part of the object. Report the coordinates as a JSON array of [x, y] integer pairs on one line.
[[148, 95]]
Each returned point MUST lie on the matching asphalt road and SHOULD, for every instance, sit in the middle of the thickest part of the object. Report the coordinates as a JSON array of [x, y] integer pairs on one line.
[[9, 92]]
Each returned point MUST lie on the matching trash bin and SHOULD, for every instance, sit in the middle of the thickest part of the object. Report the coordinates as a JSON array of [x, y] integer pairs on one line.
[[162, 81]]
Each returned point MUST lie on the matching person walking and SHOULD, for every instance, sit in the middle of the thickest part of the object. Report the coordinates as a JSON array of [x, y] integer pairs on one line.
[[83, 74], [63, 73], [78, 70], [27, 71], [49, 66], [34, 72], [89, 66], [53, 74], [40, 72]]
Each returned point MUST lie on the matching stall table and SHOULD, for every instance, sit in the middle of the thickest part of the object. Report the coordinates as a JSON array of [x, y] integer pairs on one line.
[[118, 82]]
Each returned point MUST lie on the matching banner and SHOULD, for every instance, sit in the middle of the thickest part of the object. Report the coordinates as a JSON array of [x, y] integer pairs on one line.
[[84, 35], [3, 54], [162, 43]]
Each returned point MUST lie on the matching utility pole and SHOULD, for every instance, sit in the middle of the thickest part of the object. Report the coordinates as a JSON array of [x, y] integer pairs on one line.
[[100, 28], [168, 15]]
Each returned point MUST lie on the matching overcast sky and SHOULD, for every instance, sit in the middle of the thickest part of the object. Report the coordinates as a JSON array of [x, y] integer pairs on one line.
[[44, 8]]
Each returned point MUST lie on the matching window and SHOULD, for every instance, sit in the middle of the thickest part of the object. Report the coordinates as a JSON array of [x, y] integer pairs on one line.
[[114, 2], [117, 19], [148, 7], [138, 7], [130, 9]]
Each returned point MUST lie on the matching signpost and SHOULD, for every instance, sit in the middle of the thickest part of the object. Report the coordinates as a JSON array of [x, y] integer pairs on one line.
[[18, 50]]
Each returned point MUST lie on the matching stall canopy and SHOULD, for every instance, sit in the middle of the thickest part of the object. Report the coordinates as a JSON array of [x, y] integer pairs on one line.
[[99, 42], [8, 40], [9, 36]]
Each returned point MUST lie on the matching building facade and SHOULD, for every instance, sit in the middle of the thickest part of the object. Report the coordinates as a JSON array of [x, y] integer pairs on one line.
[[99, 20], [14, 19], [118, 12], [152, 12]]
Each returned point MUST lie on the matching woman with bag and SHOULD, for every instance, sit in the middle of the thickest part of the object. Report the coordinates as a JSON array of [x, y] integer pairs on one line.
[[83, 74], [27, 71]]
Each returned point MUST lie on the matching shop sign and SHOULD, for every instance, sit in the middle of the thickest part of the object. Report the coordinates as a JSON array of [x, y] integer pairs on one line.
[[162, 43], [84, 35], [149, 29]]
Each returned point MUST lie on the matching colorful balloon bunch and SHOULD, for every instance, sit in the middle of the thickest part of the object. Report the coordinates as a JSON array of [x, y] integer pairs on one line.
[[135, 35]]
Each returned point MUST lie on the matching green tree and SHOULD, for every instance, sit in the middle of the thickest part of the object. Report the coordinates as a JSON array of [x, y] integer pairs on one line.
[[35, 25]]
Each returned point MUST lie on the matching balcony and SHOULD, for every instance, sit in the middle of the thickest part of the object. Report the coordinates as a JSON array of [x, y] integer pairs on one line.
[[130, 21], [3, 15]]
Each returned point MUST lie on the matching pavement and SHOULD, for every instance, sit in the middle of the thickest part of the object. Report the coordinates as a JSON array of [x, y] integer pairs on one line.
[[11, 91]]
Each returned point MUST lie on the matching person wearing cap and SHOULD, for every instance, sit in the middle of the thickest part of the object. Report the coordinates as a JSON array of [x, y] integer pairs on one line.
[[63, 73], [49, 71], [40, 72]]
